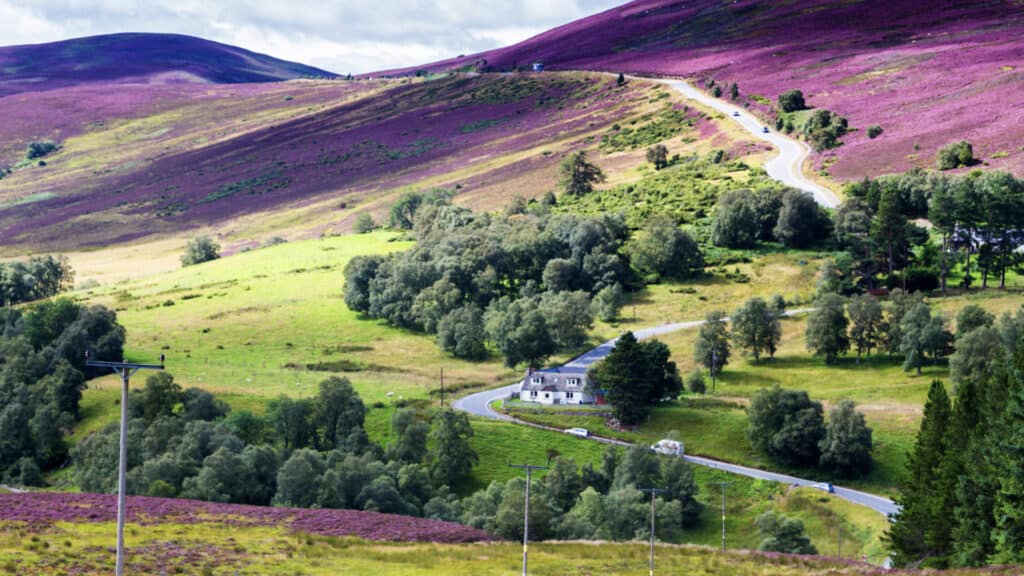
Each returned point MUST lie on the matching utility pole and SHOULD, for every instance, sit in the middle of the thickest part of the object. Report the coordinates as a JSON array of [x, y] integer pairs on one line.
[[442, 386], [526, 508], [714, 367], [839, 548], [653, 491], [722, 485], [125, 370]]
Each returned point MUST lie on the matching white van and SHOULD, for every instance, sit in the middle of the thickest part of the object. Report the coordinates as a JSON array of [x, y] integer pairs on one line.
[[668, 447]]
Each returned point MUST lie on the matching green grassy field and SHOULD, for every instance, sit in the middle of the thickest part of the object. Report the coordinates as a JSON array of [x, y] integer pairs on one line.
[[252, 324]]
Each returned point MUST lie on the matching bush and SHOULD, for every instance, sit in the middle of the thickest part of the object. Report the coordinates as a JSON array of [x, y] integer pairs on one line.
[[364, 223], [658, 155], [824, 129], [792, 101], [40, 149], [695, 382], [783, 534], [956, 155], [874, 131], [199, 250]]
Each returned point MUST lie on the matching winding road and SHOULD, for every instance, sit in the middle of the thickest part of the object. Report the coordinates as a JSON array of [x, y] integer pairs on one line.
[[787, 167]]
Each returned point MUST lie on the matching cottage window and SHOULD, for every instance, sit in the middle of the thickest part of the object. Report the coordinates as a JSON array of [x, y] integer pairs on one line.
[[568, 394], [574, 381], [537, 380], [533, 394], [546, 395]]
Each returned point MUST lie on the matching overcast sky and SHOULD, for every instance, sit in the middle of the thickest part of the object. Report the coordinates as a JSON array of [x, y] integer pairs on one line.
[[338, 35]]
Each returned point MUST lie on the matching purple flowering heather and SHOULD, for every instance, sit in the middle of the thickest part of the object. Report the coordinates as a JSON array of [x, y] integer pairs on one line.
[[928, 74], [41, 509]]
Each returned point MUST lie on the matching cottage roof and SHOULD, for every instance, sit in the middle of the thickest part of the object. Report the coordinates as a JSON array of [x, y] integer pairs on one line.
[[563, 371]]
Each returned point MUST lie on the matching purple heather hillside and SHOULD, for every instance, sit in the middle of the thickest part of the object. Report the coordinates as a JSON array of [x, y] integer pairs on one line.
[[927, 73], [317, 140], [139, 58]]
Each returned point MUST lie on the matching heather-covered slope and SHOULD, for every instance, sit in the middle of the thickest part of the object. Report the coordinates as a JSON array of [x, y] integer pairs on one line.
[[927, 74], [162, 159], [139, 58]]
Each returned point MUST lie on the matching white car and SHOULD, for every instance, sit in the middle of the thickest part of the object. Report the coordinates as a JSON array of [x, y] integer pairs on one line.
[[825, 486], [581, 432], [668, 447]]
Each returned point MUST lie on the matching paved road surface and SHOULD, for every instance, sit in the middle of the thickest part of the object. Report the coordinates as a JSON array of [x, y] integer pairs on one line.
[[787, 167], [479, 404]]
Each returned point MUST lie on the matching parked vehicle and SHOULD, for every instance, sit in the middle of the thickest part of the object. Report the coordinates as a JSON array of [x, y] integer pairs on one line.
[[736, 113], [668, 447], [764, 129], [825, 486], [581, 432]]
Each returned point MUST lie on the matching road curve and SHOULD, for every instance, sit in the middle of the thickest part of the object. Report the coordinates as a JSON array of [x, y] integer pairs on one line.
[[479, 404], [787, 167]]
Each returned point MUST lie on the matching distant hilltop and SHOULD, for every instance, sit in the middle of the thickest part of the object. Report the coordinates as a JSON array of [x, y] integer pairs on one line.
[[139, 58]]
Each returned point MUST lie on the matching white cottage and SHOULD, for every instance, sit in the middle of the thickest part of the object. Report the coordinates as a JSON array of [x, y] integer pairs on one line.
[[561, 385]]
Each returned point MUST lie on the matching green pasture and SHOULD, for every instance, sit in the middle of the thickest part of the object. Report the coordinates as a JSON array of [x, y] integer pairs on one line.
[[272, 321], [222, 549]]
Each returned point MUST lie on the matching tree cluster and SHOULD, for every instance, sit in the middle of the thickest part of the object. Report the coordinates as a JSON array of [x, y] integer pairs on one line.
[[37, 278], [906, 326], [790, 428], [527, 282], [303, 452], [742, 218], [979, 216], [962, 493], [42, 376], [588, 503]]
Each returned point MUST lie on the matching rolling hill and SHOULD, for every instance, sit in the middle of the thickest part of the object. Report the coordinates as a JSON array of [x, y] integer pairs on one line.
[[139, 59], [302, 155], [927, 75]]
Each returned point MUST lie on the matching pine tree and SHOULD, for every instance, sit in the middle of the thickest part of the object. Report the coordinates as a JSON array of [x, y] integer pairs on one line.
[[916, 526], [1004, 455]]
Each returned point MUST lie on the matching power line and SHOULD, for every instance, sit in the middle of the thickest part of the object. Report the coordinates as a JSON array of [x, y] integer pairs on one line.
[[526, 508]]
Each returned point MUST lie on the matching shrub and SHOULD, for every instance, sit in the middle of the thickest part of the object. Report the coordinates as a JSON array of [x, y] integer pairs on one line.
[[792, 101], [874, 131], [199, 250], [658, 155], [695, 382], [955, 155], [364, 223], [40, 149]]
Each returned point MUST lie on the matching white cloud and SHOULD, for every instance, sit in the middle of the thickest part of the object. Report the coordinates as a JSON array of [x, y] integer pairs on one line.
[[341, 36]]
